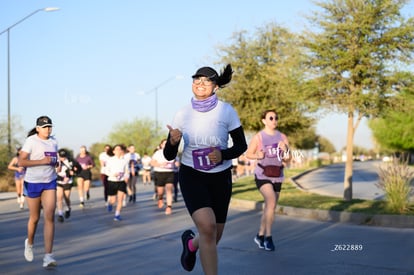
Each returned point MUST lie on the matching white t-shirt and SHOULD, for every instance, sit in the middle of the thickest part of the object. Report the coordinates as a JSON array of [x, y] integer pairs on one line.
[[117, 168], [135, 156], [146, 162], [166, 165], [132, 156], [103, 157], [37, 149], [203, 130]]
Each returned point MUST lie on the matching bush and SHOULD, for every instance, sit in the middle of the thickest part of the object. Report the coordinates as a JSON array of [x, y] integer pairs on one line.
[[315, 163], [395, 179], [7, 182]]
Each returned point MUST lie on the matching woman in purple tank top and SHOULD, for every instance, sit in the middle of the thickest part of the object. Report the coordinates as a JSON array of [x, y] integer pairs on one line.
[[270, 148]]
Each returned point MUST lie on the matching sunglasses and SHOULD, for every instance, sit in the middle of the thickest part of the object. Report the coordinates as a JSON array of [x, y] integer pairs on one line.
[[271, 118], [205, 81]]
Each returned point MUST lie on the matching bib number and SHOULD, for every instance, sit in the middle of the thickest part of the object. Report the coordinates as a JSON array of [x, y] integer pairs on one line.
[[201, 160], [273, 151], [53, 156]]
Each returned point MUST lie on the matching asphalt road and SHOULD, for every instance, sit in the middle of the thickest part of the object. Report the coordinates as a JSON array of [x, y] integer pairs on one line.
[[148, 242], [329, 180]]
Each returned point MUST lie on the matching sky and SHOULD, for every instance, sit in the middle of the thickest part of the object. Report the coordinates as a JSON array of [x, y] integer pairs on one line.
[[96, 63]]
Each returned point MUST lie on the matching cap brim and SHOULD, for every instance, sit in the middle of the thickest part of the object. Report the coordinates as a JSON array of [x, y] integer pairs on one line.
[[209, 77], [45, 125]]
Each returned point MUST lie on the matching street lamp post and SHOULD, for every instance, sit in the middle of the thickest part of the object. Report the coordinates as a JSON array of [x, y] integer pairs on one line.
[[8, 72], [155, 90]]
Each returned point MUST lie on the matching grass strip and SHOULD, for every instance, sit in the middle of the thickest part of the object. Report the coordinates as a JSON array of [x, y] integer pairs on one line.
[[245, 188]]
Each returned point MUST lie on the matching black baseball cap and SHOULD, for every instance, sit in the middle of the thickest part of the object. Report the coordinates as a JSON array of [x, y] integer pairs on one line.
[[62, 153], [44, 121], [207, 72]]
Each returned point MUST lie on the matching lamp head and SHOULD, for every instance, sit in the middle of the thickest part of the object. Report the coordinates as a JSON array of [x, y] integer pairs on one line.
[[51, 9]]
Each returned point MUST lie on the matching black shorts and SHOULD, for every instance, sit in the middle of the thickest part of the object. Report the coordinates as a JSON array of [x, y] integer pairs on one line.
[[162, 178], [277, 186], [200, 190], [85, 174], [66, 186], [115, 186]]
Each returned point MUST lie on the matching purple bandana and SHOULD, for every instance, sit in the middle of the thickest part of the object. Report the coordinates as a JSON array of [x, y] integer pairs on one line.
[[206, 104]]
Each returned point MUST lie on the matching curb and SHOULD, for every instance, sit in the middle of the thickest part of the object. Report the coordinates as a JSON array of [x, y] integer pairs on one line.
[[395, 221], [294, 178], [4, 196]]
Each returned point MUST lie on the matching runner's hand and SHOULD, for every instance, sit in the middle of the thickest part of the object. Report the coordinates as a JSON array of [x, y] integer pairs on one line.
[[175, 135]]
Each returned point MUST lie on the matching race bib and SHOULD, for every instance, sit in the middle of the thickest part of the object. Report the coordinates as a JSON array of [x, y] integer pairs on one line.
[[120, 176], [201, 160], [273, 151], [169, 165], [53, 156]]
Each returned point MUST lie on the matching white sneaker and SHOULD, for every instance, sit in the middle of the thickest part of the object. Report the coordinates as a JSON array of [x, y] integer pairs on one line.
[[21, 202], [28, 251], [48, 261]]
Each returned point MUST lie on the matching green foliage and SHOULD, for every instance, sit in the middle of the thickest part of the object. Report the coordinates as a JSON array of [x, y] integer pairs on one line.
[[17, 135], [95, 149], [304, 139], [356, 56], [395, 179], [353, 50], [244, 188], [17, 139], [268, 74], [139, 132], [315, 162], [395, 128], [326, 145], [4, 159], [357, 151]]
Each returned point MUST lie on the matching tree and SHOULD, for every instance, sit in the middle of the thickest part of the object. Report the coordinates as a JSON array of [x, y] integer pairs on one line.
[[326, 145], [394, 129], [356, 54], [17, 140], [268, 74], [304, 138], [137, 132], [18, 135]]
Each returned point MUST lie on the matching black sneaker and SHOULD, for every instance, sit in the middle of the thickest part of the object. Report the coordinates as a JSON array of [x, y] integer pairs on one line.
[[259, 240], [67, 214], [60, 218], [188, 258], [88, 196], [268, 244]]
